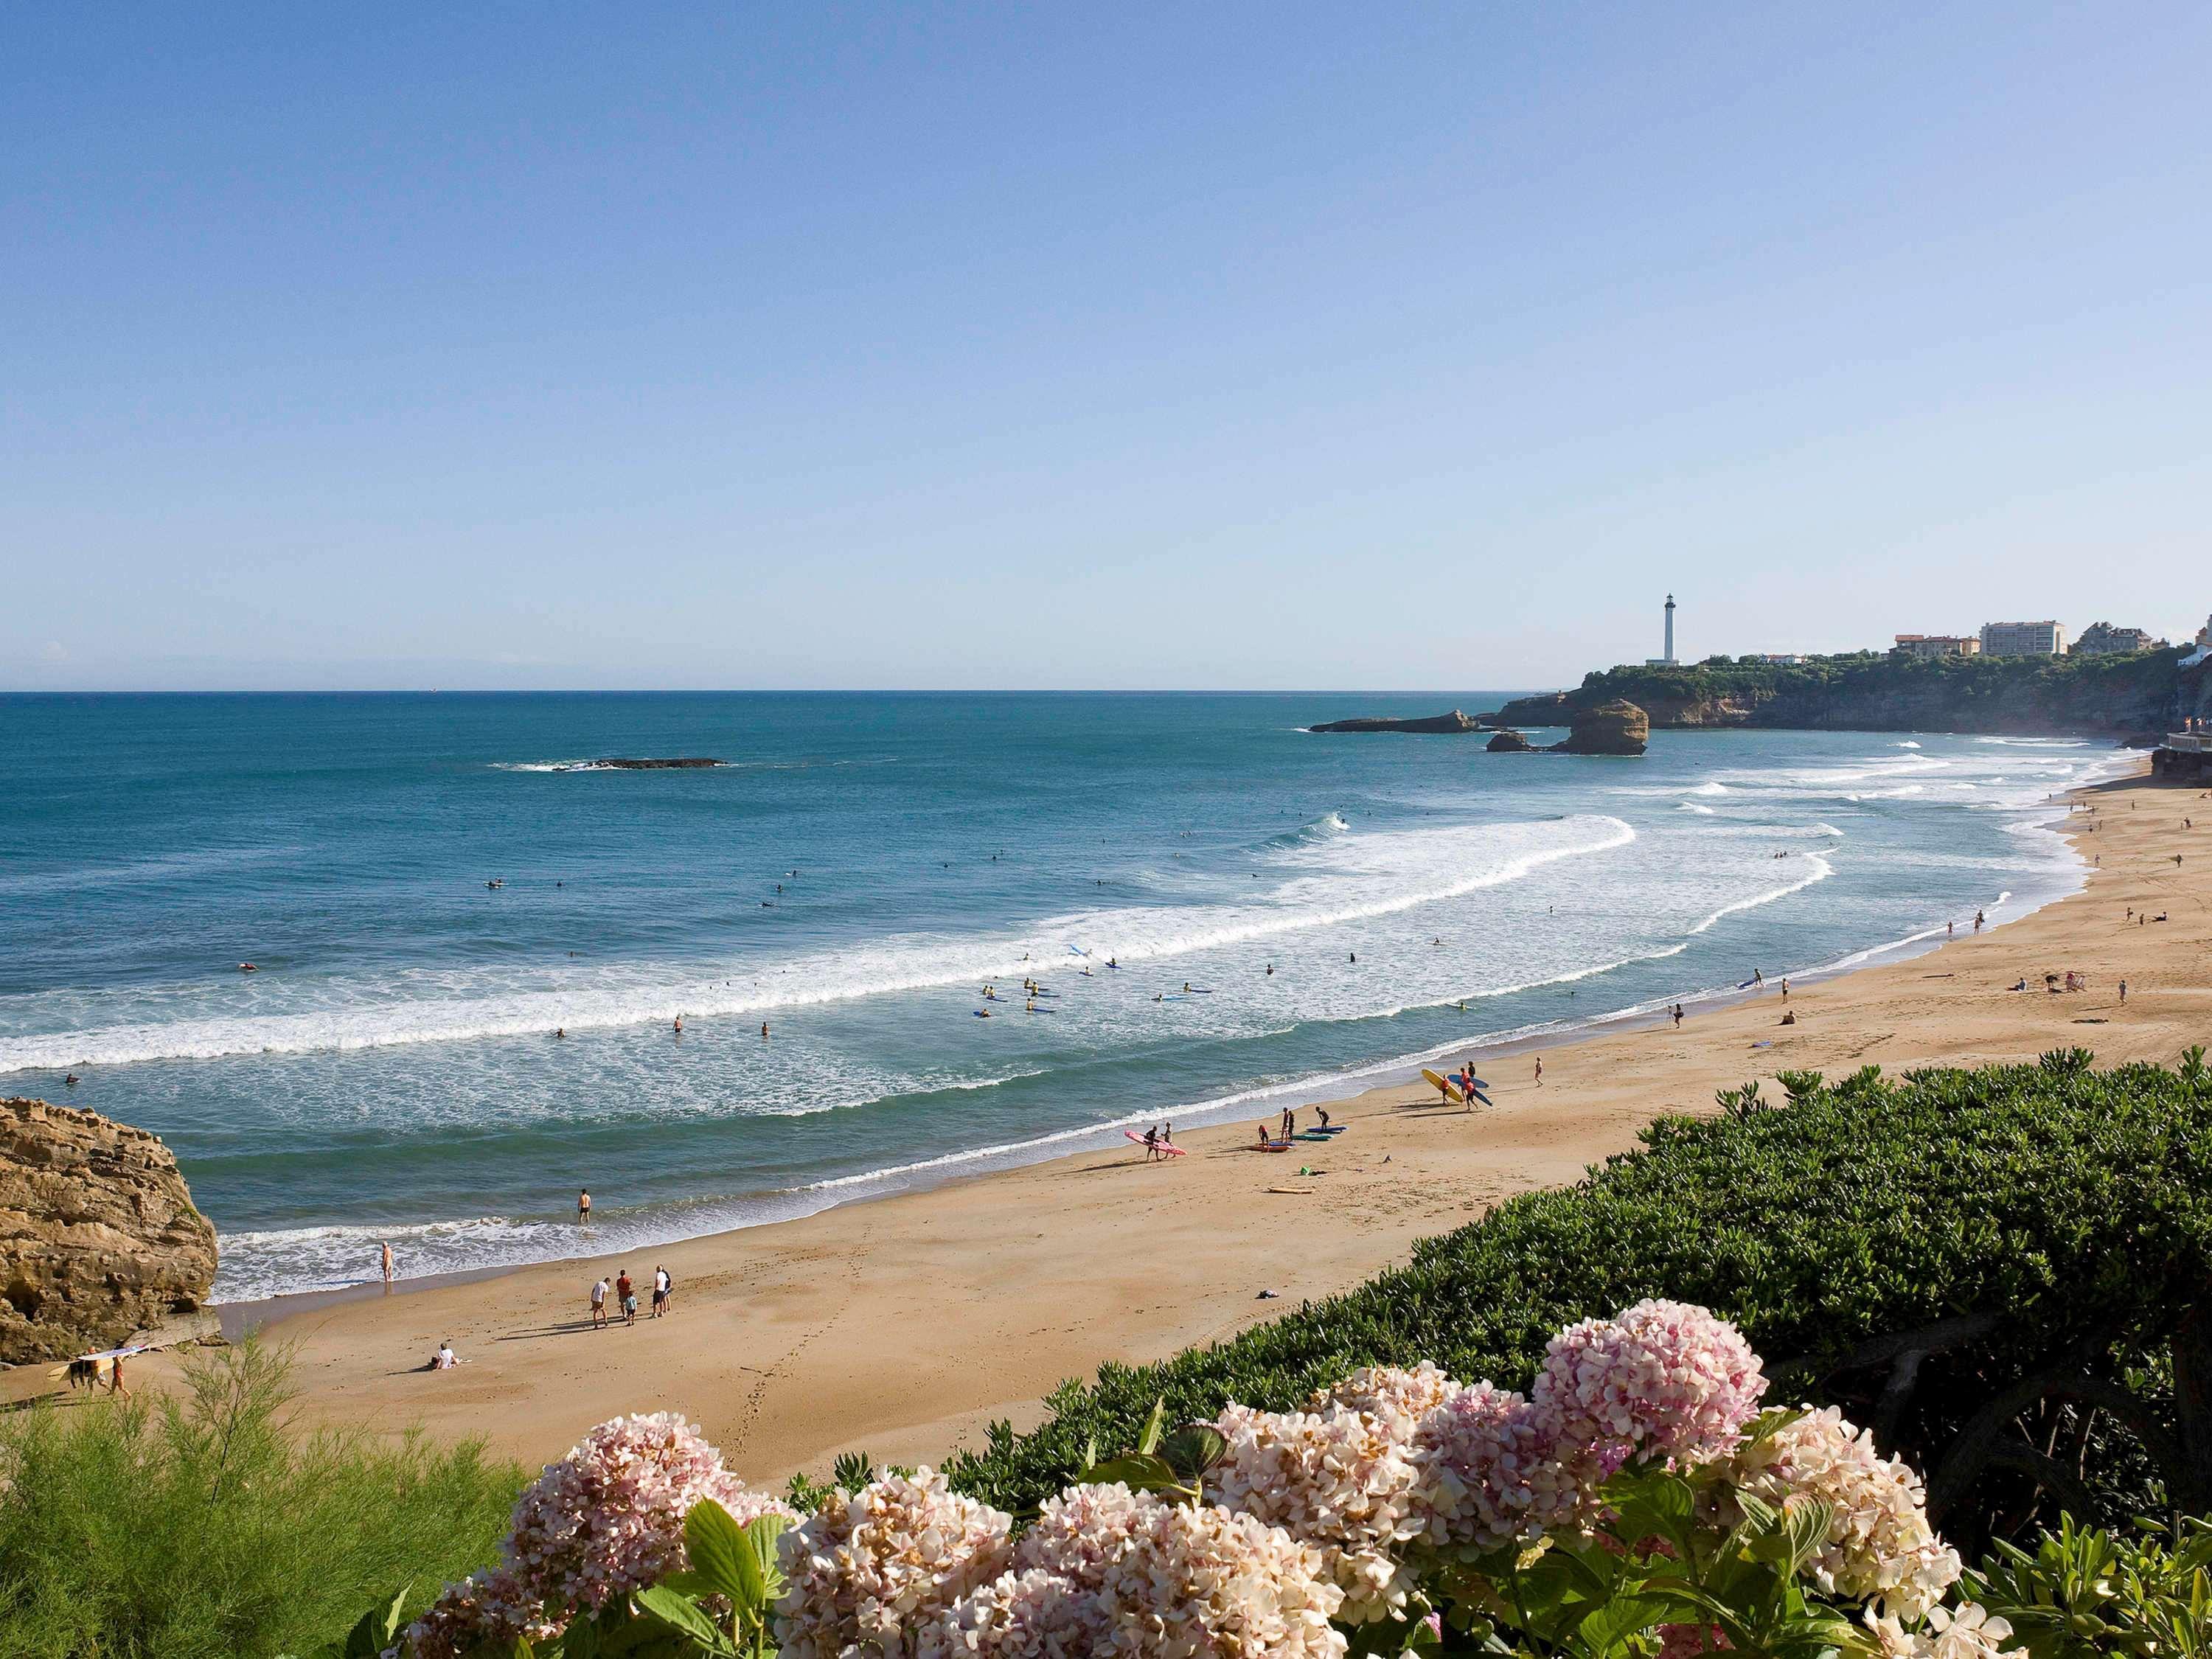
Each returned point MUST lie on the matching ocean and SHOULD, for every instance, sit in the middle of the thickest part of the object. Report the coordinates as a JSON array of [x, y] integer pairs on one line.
[[854, 875]]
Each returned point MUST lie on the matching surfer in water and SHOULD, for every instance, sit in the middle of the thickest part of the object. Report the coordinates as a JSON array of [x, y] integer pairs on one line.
[[763, 1030]]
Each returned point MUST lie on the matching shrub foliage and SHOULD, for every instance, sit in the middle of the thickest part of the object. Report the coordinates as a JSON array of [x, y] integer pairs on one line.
[[2001, 1270], [203, 1528]]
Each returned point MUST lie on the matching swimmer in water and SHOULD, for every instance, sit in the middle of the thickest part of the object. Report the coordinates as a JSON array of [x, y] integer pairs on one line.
[[679, 1025], [247, 968], [763, 1030], [560, 1030], [69, 1080]]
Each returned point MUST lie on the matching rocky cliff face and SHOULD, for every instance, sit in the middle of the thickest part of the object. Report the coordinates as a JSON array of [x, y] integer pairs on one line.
[[1617, 728], [99, 1239]]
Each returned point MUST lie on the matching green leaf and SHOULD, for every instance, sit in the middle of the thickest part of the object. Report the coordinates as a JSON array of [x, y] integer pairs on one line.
[[681, 1613], [723, 1556], [1193, 1449], [1138, 1471], [1805, 1524], [1155, 1425], [1620, 1619]]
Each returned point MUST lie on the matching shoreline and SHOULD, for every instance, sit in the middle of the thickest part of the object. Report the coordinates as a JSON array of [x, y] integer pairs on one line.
[[790, 1206], [991, 1293]]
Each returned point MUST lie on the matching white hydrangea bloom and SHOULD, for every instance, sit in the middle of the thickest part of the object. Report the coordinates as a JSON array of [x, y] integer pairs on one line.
[[1339, 1478], [870, 1569], [1112, 1573], [1881, 1547]]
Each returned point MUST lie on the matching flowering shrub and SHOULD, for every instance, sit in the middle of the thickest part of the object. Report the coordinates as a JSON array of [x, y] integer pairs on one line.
[[605, 1520], [1637, 1503], [873, 1566]]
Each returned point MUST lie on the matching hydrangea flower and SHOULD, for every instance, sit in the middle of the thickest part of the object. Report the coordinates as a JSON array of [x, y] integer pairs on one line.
[[1665, 1379], [1967, 1632], [1489, 1471], [1879, 1548], [1390, 1391], [872, 1568], [1337, 1478], [606, 1519], [1109, 1571]]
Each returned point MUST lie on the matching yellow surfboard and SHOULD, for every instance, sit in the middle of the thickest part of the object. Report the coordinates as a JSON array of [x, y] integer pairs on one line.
[[1444, 1086]]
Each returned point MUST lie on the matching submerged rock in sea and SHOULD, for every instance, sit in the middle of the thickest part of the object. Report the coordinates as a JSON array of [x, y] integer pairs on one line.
[[99, 1239], [1509, 742], [1453, 724], [1618, 727], [629, 764]]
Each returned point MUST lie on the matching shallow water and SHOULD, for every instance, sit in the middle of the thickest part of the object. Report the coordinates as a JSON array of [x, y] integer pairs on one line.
[[389, 1070]]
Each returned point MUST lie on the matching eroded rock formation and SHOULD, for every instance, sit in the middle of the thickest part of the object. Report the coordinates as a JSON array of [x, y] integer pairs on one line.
[[99, 1239], [1618, 727], [1454, 723]]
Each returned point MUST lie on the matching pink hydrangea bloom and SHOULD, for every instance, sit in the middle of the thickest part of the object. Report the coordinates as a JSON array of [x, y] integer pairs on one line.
[[1109, 1571], [1665, 1379], [874, 1568], [1489, 1472], [606, 1519]]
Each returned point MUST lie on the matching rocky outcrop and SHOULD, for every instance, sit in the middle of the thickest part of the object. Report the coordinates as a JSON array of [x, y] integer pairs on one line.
[[1454, 723], [98, 1240], [1509, 742], [628, 763], [1618, 727]]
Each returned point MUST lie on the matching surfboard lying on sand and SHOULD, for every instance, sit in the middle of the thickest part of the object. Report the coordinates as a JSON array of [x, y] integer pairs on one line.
[[1443, 1086], [1157, 1146], [1275, 1147]]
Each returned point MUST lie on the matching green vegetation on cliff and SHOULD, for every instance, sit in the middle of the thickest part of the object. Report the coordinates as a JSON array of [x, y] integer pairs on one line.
[[2116, 695], [206, 1528]]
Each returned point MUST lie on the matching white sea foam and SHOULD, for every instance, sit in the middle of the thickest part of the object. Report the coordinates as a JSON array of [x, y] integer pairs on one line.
[[1343, 878]]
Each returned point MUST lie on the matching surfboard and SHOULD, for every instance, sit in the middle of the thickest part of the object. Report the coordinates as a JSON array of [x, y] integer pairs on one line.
[[1157, 1146], [1276, 1147], [1443, 1086], [1484, 1099], [983, 1013], [1333, 1129]]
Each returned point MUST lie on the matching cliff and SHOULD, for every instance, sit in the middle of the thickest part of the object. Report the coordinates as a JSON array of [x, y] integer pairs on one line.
[[2133, 697], [99, 1239]]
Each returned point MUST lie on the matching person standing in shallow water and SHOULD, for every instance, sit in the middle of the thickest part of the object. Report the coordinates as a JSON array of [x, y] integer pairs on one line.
[[583, 1208]]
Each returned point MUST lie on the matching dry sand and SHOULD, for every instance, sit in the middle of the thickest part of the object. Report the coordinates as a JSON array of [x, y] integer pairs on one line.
[[902, 1327]]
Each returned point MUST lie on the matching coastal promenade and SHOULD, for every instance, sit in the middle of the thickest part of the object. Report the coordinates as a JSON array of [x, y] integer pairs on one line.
[[904, 1326]]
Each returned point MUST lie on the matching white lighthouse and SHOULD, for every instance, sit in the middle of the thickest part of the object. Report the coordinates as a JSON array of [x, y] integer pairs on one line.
[[1667, 661]]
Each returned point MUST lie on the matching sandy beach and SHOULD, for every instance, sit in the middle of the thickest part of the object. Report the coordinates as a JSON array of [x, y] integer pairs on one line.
[[902, 1327]]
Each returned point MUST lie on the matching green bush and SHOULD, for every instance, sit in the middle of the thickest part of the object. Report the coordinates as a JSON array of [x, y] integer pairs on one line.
[[2089, 1594], [1997, 1270], [206, 1527]]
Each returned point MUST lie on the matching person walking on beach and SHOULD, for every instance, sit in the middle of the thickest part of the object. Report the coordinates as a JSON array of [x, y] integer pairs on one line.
[[115, 1379], [2123, 993], [1151, 1144], [626, 1293], [387, 1261], [661, 1283], [583, 1207], [1979, 919], [1785, 988], [1678, 1015], [599, 1303], [1539, 1071]]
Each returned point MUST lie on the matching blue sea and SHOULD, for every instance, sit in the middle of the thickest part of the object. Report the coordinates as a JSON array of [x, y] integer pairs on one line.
[[854, 876]]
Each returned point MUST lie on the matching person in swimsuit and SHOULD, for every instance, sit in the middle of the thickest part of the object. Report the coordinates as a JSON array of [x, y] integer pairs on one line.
[[583, 1208], [599, 1303], [387, 1261]]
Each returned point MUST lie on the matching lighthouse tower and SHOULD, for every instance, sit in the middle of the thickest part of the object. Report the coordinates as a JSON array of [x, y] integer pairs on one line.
[[1667, 661]]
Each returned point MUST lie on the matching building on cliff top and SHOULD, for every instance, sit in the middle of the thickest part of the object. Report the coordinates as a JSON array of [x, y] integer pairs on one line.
[[2023, 639], [2103, 640], [1938, 645]]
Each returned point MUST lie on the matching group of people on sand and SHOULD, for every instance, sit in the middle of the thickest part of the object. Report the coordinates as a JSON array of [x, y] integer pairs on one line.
[[1159, 1142], [624, 1292]]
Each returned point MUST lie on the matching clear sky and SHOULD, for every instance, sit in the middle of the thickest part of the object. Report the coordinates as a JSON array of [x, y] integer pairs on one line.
[[1220, 345]]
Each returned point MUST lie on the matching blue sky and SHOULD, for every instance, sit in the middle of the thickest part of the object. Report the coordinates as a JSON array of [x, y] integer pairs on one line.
[[1234, 345]]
